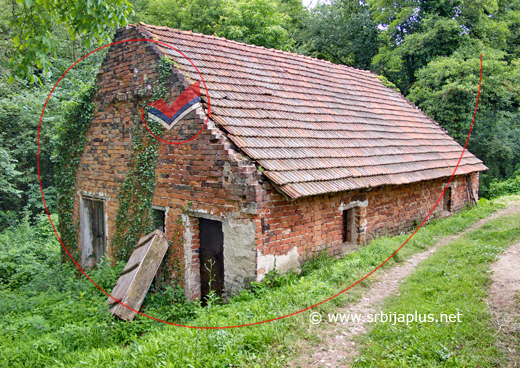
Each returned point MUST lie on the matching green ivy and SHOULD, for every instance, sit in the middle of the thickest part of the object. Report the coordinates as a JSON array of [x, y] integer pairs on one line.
[[70, 144], [134, 216]]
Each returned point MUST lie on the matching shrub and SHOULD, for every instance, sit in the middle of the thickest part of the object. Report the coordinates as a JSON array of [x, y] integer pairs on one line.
[[27, 251], [505, 187]]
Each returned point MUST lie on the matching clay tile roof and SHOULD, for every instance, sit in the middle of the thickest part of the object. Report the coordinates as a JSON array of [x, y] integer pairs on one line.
[[315, 127]]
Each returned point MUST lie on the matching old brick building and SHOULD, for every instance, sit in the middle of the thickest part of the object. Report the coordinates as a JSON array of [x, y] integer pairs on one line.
[[298, 154]]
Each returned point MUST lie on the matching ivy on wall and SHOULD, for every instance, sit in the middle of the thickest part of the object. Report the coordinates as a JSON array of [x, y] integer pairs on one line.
[[71, 138], [134, 216]]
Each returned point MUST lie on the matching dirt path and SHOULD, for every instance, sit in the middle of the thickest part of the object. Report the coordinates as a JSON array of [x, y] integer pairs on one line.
[[504, 303], [337, 347]]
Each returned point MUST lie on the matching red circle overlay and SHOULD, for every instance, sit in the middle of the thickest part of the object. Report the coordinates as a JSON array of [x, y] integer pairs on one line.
[[252, 323]]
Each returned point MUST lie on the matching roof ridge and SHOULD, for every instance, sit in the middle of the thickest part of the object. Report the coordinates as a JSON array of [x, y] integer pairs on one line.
[[289, 53]]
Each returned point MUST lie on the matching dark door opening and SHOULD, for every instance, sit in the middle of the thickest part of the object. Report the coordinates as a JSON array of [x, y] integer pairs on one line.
[[447, 199], [347, 225], [211, 256], [158, 218], [94, 239]]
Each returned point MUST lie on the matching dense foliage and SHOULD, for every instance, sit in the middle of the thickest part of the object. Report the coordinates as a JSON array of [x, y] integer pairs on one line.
[[429, 49], [33, 29], [69, 147], [48, 313], [505, 187]]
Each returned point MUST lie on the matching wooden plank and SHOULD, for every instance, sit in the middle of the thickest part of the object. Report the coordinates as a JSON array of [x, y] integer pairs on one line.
[[144, 239], [137, 276]]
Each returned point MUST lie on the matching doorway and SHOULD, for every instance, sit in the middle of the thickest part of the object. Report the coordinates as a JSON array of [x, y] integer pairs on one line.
[[447, 200], [211, 257], [93, 238], [347, 228]]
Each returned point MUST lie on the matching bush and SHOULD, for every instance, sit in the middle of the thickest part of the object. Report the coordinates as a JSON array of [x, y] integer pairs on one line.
[[27, 251], [505, 187]]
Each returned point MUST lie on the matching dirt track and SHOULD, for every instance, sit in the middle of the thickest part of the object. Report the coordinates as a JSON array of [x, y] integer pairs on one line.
[[337, 348]]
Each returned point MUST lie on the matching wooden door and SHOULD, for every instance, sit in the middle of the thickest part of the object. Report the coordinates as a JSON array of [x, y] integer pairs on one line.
[[93, 235], [137, 276]]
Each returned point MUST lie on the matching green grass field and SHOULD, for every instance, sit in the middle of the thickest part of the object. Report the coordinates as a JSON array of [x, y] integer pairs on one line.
[[453, 280], [50, 317]]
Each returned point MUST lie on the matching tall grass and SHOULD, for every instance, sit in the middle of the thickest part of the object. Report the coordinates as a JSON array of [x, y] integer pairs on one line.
[[61, 320]]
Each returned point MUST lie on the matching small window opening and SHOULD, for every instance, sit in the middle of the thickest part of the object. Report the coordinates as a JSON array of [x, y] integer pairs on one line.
[[348, 217], [447, 199], [159, 219]]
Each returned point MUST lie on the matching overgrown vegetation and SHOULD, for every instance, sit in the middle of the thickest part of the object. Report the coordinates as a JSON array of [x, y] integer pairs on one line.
[[134, 215], [453, 280], [49, 313], [70, 144], [49, 316], [505, 187]]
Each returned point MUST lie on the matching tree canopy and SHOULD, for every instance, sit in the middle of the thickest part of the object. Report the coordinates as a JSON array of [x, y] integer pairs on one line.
[[33, 29], [428, 49]]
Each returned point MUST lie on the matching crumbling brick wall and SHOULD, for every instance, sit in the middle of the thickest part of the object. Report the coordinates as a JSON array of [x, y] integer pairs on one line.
[[288, 232]]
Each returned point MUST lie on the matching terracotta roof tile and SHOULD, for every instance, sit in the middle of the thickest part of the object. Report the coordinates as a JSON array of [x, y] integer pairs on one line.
[[315, 127]]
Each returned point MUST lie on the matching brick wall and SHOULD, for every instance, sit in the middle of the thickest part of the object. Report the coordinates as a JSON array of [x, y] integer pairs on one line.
[[127, 68], [202, 178], [289, 231]]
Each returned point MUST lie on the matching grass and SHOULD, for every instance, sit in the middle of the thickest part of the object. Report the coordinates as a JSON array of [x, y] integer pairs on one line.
[[59, 320], [453, 280]]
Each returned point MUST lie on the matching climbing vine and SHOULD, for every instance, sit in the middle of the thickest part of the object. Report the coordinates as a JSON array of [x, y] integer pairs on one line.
[[134, 216], [69, 147]]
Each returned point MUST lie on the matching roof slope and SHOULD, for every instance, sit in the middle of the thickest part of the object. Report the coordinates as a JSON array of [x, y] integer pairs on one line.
[[315, 127]]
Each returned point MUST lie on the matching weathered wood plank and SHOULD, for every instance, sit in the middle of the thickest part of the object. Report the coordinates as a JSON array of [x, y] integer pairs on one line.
[[136, 277]]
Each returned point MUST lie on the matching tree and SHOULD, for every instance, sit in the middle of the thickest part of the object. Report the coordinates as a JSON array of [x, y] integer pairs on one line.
[[417, 32], [257, 22], [21, 103], [33, 24], [342, 32], [446, 89]]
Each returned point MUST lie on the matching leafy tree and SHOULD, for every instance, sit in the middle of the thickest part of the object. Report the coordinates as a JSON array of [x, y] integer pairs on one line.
[[258, 22], [33, 24], [446, 89], [441, 37], [21, 103], [342, 32], [296, 13], [417, 32], [8, 173], [430, 50], [198, 16]]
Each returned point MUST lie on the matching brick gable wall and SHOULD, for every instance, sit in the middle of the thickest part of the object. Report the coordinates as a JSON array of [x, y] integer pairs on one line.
[[220, 183]]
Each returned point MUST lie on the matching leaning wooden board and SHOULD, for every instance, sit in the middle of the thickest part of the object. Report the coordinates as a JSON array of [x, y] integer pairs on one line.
[[136, 277]]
